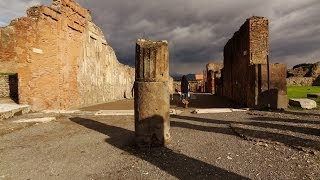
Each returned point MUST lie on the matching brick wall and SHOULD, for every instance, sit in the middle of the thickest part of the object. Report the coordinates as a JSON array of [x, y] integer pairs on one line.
[[247, 78], [62, 59], [212, 74]]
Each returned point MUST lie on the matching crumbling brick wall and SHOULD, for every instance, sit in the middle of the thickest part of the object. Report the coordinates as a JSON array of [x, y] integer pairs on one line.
[[62, 59], [212, 74], [247, 76]]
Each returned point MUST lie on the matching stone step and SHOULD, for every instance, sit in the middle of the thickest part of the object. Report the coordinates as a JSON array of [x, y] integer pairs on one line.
[[303, 103], [6, 100], [8, 110]]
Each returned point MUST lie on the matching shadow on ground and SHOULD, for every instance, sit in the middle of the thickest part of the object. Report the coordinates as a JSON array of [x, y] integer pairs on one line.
[[302, 113], [242, 129], [204, 100], [174, 163]]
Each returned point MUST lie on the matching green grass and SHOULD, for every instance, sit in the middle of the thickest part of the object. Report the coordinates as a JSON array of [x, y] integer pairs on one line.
[[302, 91]]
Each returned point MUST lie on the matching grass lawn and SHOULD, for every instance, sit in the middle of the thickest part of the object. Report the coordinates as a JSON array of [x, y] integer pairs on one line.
[[302, 91]]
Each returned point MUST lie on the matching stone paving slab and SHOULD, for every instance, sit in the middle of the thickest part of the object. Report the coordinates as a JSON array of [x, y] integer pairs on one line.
[[217, 110], [36, 120], [127, 112], [61, 111], [9, 110]]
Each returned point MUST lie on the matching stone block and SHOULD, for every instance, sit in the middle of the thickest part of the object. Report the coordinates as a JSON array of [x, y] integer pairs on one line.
[[10, 110], [303, 103]]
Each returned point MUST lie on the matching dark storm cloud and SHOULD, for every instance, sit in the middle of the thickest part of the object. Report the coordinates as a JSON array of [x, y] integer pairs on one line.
[[198, 30]]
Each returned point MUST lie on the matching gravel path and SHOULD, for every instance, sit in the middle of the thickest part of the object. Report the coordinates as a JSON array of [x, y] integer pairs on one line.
[[237, 145]]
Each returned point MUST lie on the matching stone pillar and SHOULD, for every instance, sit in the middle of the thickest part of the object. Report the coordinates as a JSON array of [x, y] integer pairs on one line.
[[151, 93]]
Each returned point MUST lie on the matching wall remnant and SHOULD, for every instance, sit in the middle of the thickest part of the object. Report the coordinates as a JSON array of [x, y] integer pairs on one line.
[[300, 81], [304, 75], [62, 59], [213, 75], [247, 76], [151, 98]]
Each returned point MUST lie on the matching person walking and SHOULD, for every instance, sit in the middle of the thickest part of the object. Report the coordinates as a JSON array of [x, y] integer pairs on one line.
[[184, 91]]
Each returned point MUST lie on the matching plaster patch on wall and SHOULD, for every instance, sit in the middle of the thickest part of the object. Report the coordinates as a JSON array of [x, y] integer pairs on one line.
[[37, 51]]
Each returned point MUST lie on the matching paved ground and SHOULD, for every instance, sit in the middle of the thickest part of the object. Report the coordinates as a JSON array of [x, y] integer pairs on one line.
[[237, 145]]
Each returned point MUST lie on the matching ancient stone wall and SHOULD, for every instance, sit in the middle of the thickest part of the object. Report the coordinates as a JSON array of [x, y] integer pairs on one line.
[[237, 58], [213, 73], [268, 89], [62, 59], [247, 77], [194, 86], [304, 75], [300, 81], [4, 86]]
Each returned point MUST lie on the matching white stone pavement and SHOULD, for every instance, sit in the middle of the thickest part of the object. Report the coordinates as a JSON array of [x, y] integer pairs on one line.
[[9, 110]]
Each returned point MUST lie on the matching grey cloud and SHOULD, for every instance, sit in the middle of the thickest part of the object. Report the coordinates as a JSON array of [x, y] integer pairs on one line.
[[11, 9], [198, 30]]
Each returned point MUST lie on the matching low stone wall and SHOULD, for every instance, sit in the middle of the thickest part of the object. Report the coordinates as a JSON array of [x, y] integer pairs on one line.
[[300, 81], [4, 86]]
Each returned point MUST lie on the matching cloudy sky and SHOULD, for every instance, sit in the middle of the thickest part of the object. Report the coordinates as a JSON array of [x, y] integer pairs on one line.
[[197, 30]]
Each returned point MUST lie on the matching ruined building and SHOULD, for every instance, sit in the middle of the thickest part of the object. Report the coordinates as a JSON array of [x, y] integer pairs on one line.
[[248, 77], [212, 75], [62, 59]]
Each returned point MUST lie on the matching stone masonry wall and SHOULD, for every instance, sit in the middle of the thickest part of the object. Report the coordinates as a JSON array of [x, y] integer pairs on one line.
[[62, 59], [237, 58], [212, 74], [4, 86], [247, 76], [300, 81], [193, 85]]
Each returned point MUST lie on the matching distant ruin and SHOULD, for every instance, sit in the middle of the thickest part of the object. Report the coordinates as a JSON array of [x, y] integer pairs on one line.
[[62, 59], [212, 75], [304, 75], [248, 77], [196, 83]]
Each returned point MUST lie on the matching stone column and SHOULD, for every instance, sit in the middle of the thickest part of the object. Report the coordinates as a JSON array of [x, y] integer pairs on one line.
[[151, 93]]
